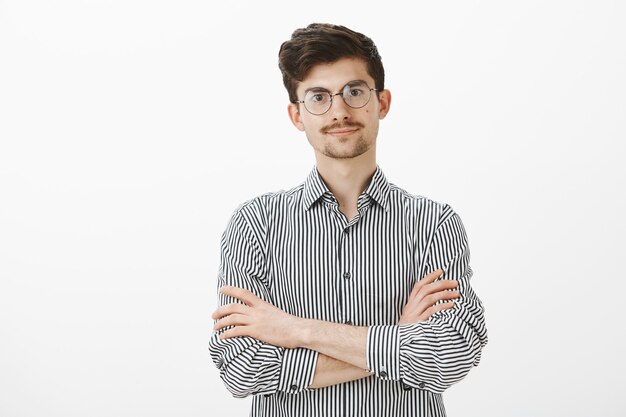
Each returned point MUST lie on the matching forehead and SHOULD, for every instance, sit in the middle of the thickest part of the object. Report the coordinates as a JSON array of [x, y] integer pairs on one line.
[[335, 75]]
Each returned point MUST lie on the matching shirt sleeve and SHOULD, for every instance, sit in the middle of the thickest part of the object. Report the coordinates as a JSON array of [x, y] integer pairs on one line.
[[248, 366], [439, 352]]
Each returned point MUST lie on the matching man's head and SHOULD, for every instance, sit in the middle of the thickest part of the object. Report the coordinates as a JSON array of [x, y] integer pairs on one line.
[[321, 43], [335, 80]]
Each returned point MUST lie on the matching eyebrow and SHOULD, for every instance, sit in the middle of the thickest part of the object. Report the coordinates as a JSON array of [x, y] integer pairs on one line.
[[350, 83]]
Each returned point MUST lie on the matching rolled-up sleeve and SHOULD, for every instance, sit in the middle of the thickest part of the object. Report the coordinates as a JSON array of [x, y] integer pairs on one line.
[[248, 366], [439, 352]]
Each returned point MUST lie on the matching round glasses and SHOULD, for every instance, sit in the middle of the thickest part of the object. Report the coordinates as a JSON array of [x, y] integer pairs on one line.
[[355, 94]]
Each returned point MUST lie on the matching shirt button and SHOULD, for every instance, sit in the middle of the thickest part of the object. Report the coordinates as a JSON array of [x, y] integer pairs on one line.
[[294, 387], [421, 385], [346, 275], [348, 322], [406, 387], [383, 374]]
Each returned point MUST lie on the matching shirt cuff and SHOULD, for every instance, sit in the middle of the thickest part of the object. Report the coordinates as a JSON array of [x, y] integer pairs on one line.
[[298, 370], [383, 352]]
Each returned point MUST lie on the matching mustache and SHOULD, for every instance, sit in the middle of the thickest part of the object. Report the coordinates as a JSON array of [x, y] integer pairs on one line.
[[343, 125]]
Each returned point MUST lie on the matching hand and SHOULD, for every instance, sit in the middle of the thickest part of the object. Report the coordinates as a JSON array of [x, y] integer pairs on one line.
[[257, 319], [426, 292]]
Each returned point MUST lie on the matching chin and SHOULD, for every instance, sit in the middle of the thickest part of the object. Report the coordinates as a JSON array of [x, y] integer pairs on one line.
[[344, 154]]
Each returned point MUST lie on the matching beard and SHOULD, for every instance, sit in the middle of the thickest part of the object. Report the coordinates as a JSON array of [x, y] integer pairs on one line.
[[345, 151], [343, 148]]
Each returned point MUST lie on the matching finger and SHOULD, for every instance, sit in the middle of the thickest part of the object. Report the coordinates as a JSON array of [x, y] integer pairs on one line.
[[242, 294], [436, 273], [427, 279], [418, 306], [431, 299], [435, 309], [233, 332], [232, 320], [434, 287], [227, 309]]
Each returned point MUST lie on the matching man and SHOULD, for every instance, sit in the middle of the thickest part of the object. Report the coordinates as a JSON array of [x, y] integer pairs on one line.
[[345, 295]]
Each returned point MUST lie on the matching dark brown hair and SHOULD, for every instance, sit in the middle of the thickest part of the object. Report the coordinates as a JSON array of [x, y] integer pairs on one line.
[[322, 43]]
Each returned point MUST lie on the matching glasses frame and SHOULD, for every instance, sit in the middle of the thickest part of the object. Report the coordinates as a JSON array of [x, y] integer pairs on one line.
[[342, 97]]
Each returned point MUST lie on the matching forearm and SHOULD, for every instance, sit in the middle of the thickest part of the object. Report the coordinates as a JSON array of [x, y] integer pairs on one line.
[[435, 355], [330, 371], [343, 342]]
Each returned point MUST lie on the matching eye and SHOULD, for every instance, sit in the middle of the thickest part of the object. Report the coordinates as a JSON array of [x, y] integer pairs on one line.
[[355, 92], [317, 97]]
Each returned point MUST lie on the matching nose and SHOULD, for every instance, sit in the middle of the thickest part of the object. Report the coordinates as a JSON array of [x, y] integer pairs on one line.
[[339, 110]]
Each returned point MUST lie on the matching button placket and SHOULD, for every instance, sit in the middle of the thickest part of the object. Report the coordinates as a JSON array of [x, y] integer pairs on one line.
[[346, 274], [340, 271]]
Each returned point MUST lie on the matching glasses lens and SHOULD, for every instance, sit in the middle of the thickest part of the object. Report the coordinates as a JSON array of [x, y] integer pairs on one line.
[[317, 102], [356, 95]]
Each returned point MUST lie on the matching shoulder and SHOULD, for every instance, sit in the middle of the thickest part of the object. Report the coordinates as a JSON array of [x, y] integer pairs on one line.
[[433, 220], [258, 208], [419, 205]]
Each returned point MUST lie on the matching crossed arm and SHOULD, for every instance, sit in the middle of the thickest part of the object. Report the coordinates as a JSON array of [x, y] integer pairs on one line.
[[260, 349], [341, 347]]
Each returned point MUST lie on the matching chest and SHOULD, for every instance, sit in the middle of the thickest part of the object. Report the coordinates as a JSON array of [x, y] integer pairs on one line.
[[357, 272]]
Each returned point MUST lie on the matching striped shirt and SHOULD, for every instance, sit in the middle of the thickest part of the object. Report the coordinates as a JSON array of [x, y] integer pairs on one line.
[[298, 251]]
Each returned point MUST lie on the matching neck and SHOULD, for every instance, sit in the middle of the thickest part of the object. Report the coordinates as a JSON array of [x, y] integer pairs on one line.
[[347, 178]]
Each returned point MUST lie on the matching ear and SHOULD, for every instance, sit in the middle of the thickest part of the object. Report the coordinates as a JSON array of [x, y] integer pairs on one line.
[[295, 116], [384, 100]]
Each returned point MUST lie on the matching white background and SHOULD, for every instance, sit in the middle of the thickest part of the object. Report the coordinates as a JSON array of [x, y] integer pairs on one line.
[[130, 131]]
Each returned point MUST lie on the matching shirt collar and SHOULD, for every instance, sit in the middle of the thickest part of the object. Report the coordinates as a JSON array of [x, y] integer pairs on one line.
[[377, 189], [314, 188]]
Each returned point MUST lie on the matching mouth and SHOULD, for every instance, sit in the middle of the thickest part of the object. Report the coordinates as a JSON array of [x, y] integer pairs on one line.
[[341, 132]]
